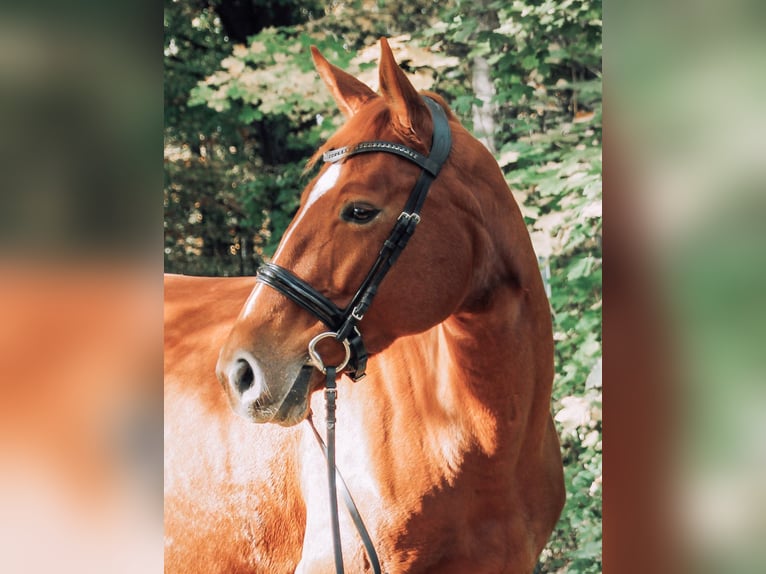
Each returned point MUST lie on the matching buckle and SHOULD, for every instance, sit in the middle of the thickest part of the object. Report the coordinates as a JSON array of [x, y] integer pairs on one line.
[[409, 217], [356, 314]]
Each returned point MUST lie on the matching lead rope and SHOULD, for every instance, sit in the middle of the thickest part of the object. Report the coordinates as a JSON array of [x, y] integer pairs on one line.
[[330, 394], [336, 480]]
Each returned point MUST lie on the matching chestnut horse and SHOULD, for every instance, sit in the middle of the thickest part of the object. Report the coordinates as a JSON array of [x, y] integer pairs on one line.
[[447, 444]]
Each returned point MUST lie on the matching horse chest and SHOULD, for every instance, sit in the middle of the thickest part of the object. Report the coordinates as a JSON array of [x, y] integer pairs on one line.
[[422, 516]]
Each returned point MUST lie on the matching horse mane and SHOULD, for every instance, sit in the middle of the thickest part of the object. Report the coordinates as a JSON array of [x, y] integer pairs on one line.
[[373, 121]]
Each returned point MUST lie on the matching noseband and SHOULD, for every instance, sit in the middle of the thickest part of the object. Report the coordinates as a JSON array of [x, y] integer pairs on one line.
[[343, 323]]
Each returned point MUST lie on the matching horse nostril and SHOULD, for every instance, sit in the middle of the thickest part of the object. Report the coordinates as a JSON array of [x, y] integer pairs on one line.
[[243, 376]]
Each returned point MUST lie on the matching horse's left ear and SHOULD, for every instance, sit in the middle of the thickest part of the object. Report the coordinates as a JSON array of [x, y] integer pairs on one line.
[[403, 99], [349, 93]]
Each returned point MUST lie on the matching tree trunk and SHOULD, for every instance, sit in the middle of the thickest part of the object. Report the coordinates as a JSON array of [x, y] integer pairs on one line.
[[484, 114], [481, 81]]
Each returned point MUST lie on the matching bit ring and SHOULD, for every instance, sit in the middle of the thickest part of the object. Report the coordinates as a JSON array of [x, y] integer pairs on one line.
[[316, 360]]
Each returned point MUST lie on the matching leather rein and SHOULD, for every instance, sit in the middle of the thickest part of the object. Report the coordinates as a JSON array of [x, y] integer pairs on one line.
[[343, 323]]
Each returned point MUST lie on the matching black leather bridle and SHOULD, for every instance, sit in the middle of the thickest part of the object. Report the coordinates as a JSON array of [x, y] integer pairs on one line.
[[343, 323]]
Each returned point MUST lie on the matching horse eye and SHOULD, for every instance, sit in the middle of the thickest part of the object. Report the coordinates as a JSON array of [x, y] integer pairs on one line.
[[359, 213]]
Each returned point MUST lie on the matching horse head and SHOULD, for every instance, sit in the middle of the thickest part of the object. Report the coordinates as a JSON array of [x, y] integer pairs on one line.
[[346, 214]]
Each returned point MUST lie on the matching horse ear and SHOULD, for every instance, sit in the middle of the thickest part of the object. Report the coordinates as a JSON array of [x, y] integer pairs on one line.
[[349, 93], [403, 99]]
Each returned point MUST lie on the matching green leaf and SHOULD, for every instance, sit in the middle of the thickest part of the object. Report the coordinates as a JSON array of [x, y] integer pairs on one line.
[[590, 549], [465, 31], [580, 268], [250, 114], [529, 62]]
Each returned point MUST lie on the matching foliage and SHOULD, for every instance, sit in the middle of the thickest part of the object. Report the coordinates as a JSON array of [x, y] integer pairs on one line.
[[230, 178], [244, 115]]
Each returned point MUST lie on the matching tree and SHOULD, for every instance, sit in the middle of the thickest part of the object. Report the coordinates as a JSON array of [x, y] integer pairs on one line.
[[225, 173]]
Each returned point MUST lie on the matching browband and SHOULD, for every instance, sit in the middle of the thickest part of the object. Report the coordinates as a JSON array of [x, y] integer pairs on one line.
[[427, 164]]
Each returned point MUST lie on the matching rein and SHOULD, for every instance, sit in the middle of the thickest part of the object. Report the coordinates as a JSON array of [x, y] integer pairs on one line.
[[334, 477], [343, 323]]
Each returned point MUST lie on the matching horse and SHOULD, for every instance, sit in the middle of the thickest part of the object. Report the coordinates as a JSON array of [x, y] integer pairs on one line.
[[447, 443]]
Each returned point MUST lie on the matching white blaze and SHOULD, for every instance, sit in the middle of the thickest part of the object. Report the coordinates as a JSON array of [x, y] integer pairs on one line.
[[324, 184]]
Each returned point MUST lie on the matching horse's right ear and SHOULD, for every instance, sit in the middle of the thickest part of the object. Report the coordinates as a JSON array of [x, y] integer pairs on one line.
[[349, 93]]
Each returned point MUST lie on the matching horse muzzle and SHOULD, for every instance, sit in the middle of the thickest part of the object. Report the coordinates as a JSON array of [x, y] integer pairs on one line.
[[261, 394]]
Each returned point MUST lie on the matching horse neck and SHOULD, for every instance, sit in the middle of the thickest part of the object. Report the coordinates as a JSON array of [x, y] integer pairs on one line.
[[479, 382]]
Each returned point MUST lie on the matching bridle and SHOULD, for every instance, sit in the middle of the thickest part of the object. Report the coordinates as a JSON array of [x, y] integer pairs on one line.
[[343, 323]]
